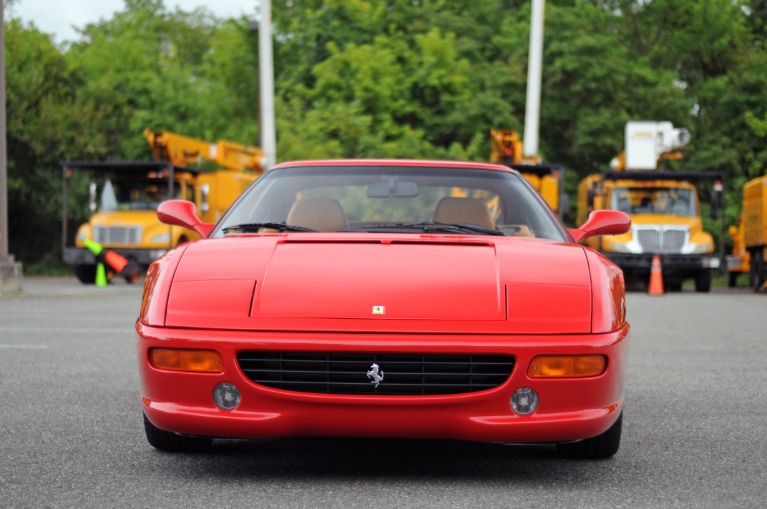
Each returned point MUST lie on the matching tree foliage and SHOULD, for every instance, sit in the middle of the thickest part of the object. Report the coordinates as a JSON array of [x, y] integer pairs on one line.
[[386, 78]]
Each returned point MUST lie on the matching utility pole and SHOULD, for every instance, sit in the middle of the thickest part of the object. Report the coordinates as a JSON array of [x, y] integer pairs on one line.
[[266, 80], [10, 271], [534, 71]]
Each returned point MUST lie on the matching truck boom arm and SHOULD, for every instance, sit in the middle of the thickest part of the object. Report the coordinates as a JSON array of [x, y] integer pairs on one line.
[[182, 151]]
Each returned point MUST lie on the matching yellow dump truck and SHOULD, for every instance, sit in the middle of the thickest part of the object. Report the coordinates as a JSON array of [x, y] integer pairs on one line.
[[547, 179], [124, 195], [750, 236], [663, 205]]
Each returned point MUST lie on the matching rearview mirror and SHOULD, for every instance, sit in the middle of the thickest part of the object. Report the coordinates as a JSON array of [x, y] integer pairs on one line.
[[393, 189]]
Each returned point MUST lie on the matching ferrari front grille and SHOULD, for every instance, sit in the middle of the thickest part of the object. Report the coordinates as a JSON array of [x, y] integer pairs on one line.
[[376, 374]]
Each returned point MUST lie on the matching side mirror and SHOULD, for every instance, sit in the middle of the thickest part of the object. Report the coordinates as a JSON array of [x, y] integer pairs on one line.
[[602, 222], [92, 196], [717, 191], [204, 193], [182, 213]]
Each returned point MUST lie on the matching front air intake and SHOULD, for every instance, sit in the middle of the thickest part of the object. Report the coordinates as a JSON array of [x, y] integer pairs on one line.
[[400, 374]]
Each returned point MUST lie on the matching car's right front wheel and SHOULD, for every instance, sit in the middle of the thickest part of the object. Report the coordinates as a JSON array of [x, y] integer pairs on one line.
[[599, 447]]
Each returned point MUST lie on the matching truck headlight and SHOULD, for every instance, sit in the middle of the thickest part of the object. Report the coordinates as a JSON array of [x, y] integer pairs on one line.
[[701, 248], [617, 247], [160, 238]]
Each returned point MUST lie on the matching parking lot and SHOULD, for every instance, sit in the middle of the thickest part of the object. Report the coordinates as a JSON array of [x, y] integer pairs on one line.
[[694, 427]]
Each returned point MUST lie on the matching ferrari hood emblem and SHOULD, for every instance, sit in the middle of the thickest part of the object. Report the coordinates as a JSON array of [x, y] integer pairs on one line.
[[375, 374], [379, 310]]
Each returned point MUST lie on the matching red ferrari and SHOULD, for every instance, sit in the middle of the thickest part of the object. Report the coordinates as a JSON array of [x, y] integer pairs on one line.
[[385, 298]]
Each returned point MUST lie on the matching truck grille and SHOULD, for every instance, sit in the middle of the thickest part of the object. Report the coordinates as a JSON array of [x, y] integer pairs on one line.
[[403, 374], [662, 239], [126, 235]]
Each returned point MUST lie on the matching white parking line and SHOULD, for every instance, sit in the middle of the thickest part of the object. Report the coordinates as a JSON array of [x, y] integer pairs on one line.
[[61, 330]]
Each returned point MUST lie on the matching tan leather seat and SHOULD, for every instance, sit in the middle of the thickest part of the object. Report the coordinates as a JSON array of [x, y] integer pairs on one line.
[[463, 211], [322, 215]]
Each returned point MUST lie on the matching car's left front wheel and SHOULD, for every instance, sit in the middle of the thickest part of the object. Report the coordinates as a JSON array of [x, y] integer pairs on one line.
[[173, 442]]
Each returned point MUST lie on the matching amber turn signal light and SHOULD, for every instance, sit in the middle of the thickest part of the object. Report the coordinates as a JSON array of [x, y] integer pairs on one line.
[[198, 361], [567, 366]]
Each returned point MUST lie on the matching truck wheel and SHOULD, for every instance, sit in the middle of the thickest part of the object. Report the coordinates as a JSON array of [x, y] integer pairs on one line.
[[674, 286], [173, 442], [756, 273], [732, 279], [600, 447], [703, 281], [85, 273]]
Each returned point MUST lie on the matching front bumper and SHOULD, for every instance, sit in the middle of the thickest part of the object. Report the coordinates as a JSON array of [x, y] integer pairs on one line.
[[671, 263], [570, 409], [83, 256]]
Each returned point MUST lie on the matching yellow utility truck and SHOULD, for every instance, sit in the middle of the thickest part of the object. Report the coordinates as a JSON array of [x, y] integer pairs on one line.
[[124, 195], [663, 206], [547, 179], [750, 236]]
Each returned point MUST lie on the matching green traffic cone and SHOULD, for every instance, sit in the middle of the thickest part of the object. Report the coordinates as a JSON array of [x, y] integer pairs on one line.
[[94, 247], [101, 275]]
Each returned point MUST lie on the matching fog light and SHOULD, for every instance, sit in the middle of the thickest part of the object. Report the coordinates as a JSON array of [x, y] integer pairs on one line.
[[226, 396], [524, 401]]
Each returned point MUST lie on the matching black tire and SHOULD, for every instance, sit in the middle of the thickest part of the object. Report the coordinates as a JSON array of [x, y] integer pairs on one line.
[[173, 442], [85, 273], [732, 280], [756, 272], [674, 286], [600, 447], [703, 281]]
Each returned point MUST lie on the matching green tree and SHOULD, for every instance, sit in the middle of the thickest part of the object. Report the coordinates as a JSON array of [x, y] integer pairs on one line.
[[38, 82]]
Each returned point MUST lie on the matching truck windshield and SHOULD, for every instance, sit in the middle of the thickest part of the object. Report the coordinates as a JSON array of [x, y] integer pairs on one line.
[[645, 200], [133, 194]]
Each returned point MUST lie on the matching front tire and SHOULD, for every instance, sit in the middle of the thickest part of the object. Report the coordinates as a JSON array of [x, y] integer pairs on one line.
[[86, 273], [173, 442], [599, 447], [703, 281], [756, 273]]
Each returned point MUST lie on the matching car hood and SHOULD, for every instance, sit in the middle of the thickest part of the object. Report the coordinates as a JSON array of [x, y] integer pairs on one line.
[[397, 283]]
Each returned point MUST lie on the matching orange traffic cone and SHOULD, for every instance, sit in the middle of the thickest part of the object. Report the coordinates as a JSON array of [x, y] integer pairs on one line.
[[114, 261], [121, 265], [656, 277]]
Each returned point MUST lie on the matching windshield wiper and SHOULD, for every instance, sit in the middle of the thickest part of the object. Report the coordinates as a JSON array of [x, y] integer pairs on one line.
[[255, 227], [427, 227]]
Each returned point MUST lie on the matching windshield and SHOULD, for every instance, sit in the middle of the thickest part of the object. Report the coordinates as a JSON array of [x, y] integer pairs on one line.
[[133, 194], [385, 198], [645, 200]]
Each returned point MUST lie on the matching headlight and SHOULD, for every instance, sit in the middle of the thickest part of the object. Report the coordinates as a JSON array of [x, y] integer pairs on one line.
[[704, 247], [617, 247], [160, 238]]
